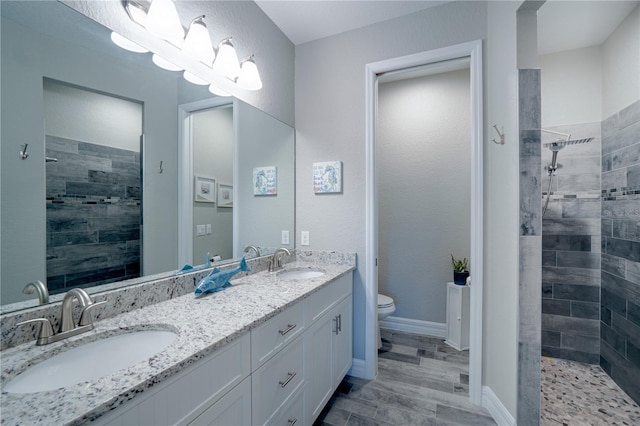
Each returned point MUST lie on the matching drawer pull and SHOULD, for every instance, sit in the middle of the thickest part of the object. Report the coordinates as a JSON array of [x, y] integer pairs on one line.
[[292, 422], [290, 377], [289, 328]]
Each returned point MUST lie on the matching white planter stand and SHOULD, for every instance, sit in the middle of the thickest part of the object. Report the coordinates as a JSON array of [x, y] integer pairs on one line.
[[458, 297]]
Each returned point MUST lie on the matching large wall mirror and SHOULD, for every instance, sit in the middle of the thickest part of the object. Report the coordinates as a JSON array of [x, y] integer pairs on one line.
[[58, 69]]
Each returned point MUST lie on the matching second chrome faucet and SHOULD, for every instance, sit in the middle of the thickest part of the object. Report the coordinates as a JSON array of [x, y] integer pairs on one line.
[[276, 260]]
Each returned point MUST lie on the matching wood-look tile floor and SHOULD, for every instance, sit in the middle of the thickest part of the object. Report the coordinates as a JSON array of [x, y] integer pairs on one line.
[[421, 381]]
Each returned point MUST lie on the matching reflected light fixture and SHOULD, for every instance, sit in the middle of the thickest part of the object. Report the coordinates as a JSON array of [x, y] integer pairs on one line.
[[226, 62], [249, 77], [197, 43], [127, 44], [163, 20], [192, 78], [164, 63]]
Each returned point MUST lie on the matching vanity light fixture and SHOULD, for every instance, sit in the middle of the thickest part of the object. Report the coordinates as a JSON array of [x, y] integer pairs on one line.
[[161, 19], [197, 43], [226, 62], [249, 77], [127, 44], [164, 64]]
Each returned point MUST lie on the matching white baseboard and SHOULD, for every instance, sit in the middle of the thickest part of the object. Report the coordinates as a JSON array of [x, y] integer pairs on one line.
[[425, 328], [492, 403], [358, 369]]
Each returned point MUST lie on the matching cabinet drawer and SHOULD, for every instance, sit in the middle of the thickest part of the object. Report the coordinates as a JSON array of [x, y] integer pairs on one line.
[[275, 382], [268, 338], [292, 413], [320, 302]]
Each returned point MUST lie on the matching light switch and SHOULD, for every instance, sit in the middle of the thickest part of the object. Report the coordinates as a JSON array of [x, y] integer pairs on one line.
[[208, 229], [201, 230], [304, 238], [285, 237]]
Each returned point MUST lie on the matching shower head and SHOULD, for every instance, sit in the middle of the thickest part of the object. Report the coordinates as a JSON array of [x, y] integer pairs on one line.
[[557, 145]]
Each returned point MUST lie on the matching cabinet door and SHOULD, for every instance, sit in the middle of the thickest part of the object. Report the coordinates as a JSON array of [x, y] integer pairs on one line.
[[318, 341], [232, 409], [342, 350]]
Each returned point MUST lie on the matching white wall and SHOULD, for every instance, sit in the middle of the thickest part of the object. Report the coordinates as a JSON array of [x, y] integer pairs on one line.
[[87, 116], [423, 153], [330, 111], [213, 158], [571, 87], [621, 66]]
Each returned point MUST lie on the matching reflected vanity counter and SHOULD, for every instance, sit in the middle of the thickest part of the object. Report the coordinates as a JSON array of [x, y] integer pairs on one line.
[[203, 326]]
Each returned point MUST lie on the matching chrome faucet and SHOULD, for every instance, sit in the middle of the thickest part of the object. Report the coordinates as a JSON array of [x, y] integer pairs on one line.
[[68, 327], [41, 288], [276, 261], [248, 249]]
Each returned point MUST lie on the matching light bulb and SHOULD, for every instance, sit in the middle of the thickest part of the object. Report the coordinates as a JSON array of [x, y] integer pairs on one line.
[[249, 77], [226, 62], [197, 43], [126, 44], [163, 20]]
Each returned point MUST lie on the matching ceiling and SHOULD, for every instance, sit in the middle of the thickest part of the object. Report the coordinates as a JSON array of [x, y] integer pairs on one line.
[[562, 25]]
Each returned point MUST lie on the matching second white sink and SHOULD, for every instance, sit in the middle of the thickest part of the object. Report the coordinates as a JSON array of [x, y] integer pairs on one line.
[[91, 361], [300, 274]]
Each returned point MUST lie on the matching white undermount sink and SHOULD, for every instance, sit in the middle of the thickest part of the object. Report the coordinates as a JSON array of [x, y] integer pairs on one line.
[[91, 361], [300, 274]]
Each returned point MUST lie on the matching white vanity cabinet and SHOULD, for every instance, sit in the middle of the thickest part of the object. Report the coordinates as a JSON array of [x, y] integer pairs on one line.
[[329, 342]]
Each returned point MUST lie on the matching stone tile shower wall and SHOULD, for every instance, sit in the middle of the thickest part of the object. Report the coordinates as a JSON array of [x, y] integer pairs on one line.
[[620, 303], [571, 248], [93, 214]]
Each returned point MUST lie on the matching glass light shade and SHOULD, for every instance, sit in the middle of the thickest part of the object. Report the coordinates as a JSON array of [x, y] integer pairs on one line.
[[249, 77], [218, 91], [226, 62], [192, 78], [197, 43], [127, 44], [164, 64], [163, 20]]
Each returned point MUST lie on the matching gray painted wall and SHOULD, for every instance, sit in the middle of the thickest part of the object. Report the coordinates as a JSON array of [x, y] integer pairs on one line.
[[330, 120], [423, 155], [213, 158]]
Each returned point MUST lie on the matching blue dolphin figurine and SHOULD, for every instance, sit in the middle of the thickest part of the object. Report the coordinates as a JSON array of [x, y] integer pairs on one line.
[[219, 280]]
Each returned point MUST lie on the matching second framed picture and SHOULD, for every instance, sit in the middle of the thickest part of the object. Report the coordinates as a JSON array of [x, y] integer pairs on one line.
[[225, 195], [204, 190]]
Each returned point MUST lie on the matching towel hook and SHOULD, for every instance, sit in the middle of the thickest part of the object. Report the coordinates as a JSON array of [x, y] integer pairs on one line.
[[501, 135], [160, 170], [23, 152]]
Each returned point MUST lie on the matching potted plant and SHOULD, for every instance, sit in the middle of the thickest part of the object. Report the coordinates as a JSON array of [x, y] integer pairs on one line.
[[460, 271]]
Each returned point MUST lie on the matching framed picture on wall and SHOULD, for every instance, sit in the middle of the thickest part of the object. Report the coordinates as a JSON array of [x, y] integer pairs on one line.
[[327, 177], [225, 195], [265, 180], [205, 190]]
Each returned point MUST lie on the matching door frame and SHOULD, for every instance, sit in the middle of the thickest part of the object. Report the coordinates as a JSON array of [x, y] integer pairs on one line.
[[185, 173], [473, 51]]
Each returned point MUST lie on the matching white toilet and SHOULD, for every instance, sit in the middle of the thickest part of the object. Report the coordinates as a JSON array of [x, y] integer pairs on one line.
[[385, 308]]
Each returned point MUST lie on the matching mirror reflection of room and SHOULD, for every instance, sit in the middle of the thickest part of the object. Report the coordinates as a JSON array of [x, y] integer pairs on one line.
[[93, 187]]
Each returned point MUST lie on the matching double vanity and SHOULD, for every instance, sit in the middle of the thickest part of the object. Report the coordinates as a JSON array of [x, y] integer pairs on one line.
[[270, 349]]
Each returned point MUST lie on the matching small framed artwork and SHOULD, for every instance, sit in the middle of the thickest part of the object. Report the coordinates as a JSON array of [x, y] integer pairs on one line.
[[265, 180], [225, 195], [205, 190], [327, 177]]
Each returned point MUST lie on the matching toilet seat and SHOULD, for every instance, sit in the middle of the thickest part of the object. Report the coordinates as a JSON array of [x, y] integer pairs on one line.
[[384, 301]]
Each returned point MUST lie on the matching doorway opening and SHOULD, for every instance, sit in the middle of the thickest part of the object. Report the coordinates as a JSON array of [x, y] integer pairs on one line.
[[471, 52]]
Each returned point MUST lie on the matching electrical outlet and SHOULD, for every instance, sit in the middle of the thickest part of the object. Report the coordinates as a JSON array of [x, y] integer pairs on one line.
[[284, 239], [304, 238], [208, 229], [201, 230]]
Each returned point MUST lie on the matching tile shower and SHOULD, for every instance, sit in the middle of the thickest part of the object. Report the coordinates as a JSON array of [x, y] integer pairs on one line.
[[591, 250], [93, 214]]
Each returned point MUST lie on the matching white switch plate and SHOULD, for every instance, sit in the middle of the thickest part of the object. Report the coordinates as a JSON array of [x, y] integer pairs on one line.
[[304, 238], [285, 237], [208, 229], [201, 230]]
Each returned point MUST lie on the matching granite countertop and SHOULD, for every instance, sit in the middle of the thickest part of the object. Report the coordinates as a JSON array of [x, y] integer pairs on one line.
[[203, 325]]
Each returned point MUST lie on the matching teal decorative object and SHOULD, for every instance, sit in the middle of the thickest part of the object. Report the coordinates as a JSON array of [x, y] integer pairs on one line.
[[219, 280]]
